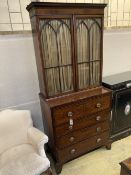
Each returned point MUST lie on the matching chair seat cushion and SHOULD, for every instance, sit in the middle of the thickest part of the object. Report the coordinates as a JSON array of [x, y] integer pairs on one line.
[[22, 160]]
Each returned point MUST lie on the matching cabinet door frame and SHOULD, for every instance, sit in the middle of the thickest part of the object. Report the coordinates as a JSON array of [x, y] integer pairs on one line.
[[57, 17], [75, 17]]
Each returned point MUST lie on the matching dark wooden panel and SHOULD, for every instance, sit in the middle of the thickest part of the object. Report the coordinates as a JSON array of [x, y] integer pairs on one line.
[[126, 167], [69, 11], [47, 122], [82, 123], [81, 134], [65, 8], [82, 147], [77, 96], [65, 5]]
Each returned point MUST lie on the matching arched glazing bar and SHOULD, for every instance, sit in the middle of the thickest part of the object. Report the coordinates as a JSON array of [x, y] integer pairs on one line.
[[56, 50], [95, 54], [88, 51], [83, 53]]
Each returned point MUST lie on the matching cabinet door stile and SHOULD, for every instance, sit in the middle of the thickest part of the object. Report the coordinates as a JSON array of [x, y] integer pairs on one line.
[[74, 51], [101, 49], [41, 55]]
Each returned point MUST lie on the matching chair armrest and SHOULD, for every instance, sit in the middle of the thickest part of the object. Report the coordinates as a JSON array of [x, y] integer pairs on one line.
[[37, 138]]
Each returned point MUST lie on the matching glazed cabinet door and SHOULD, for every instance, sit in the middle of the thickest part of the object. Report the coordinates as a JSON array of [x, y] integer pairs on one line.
[[56, 46], [88, 51]]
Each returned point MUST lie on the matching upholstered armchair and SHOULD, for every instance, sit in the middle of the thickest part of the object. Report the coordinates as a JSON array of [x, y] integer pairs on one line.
[[21, 145]]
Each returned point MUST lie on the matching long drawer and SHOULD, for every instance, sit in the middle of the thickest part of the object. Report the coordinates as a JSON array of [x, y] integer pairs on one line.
[[82, 122], [92, 105], [81, 134], [82, 147], [96, 104]]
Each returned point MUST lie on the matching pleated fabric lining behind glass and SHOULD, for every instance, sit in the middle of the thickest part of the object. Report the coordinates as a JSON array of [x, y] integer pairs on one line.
[[88, 51], [56, 43], [56, 47]]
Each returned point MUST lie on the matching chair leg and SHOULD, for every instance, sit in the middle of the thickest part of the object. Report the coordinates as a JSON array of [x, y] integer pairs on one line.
[[47, 172]]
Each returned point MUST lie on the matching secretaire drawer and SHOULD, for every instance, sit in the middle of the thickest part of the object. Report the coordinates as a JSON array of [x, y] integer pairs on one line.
[[81, 134], [96, 104], [82, 122], [82, 147], [61, 115]]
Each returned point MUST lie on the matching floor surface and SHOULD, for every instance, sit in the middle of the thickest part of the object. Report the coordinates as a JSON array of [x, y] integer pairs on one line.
[[100, 161]]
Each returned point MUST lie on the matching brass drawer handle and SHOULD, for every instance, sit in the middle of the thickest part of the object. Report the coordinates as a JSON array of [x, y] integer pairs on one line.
[[98, 129], [98, 118], [98, 140], [72, 139], [98, 105], [73, 151], [70, 114]]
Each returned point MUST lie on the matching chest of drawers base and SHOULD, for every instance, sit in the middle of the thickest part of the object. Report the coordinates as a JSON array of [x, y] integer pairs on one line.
[[77, 125]]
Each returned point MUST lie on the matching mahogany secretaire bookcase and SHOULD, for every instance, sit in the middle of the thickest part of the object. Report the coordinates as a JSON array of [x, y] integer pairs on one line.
[[68, 42]]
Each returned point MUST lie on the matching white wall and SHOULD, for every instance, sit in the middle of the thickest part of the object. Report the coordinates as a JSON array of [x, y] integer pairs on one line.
[[117, 52], [18, 74], [14, 16]]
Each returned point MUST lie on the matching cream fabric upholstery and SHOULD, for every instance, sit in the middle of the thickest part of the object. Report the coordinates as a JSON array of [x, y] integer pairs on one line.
[[21, 145], [38, 139], [13, 128]]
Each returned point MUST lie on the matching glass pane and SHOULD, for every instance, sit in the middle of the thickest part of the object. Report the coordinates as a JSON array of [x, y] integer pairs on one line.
[[56, 50], [95, 42], [95, 73], [59, 80], [56, 42], [82, 41], [52, 81], [64, 45], [98, 20], [83, 73], [66, 78], [88, 51]]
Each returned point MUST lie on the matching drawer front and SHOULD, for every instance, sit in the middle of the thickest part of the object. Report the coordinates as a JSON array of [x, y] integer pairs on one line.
[[82, 147], [97, 104], [81, 134], [83, 122], [61, 115]]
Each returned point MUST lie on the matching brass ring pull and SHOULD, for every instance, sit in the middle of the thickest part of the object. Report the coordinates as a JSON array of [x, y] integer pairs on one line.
[[72, 139], [73, 151], [98, 140], [98, 105], [70, 114], [98, 118]]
